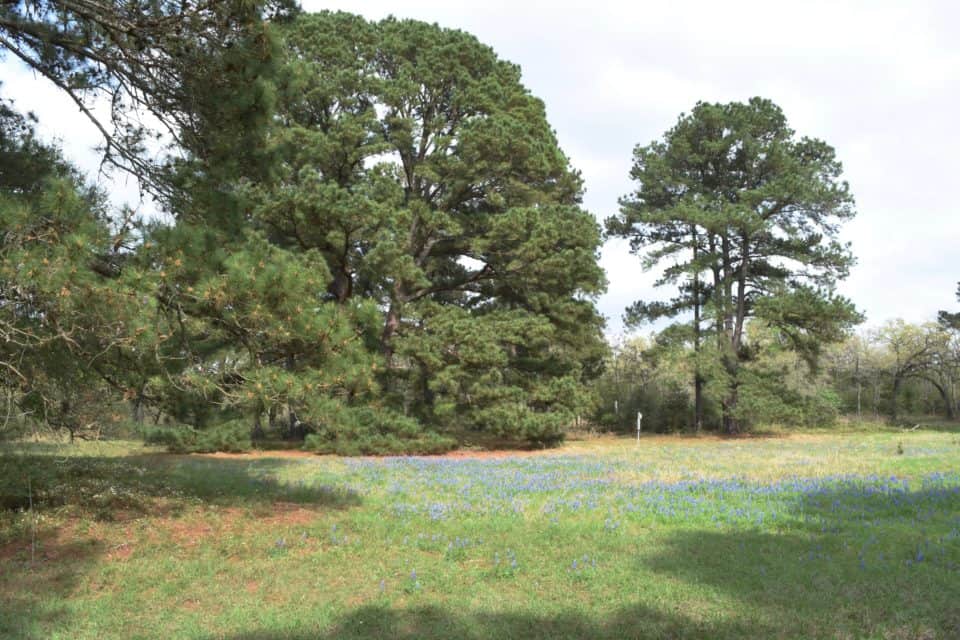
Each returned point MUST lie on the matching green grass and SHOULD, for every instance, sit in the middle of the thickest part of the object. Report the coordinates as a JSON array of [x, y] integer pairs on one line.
[[816, 535]]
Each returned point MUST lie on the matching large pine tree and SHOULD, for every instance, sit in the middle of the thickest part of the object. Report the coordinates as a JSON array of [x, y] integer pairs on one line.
[[732, 196], [423, 171]]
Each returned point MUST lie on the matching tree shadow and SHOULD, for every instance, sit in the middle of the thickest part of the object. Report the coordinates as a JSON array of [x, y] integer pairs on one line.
[[38, 576], [857, 557], [103, 484], [37, 579], [808, 589], [860, 558], [436, 623], [868, 558]]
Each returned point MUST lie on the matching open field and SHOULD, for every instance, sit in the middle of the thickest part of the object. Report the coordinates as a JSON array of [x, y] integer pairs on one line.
[[849, 535]]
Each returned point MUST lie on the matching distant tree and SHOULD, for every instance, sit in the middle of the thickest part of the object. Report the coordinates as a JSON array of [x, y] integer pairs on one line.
[[734, 199], [925, 352], [777, 385], [948, 319], [649, 377], [858, 366]]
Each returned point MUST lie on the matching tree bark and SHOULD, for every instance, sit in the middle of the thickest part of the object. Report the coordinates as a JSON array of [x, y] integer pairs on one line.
[[341, 287], [697, 377], [390, 325], [897, 383], [272, 417], [697, 402], [945, 396], [257, 432], [137, 410], [859, 384], [731, 424]]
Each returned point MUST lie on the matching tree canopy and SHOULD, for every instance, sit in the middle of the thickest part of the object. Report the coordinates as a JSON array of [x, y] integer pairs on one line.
[[372, 227], [416, 163], [372, 240], [170, 72], [732, 196], [951, 319]]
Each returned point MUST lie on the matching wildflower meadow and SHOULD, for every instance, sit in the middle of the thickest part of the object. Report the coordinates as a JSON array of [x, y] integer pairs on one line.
[[812, 536]]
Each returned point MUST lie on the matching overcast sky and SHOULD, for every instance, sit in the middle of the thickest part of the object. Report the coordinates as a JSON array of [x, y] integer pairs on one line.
[[879, 81]]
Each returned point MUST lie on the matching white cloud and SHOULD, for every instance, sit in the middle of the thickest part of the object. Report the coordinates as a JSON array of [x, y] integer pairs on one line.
[[62, 122]]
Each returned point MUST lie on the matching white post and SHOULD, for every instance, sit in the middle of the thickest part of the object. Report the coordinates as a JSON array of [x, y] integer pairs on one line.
[[639, 420]]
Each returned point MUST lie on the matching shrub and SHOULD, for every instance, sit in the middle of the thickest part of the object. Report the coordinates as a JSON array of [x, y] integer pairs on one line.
[[822, 409], [368, 431], [517, 421], [231, 437]]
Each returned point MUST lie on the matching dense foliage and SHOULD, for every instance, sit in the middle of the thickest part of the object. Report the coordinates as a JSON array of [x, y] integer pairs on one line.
[[191, 65], [747, 213], [56, 256], [366, 242], [898, 371], [370, 241]]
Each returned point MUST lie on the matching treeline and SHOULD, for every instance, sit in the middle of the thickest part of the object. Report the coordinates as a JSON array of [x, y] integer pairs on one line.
[[371, 241], [895, 373]]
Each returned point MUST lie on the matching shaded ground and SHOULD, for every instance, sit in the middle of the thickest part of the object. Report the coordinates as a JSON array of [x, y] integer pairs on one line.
[[811, 536]]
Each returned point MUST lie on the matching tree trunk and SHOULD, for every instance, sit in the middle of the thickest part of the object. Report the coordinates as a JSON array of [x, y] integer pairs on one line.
[[296, 428], [859, 393], [257, 432], [138, 410], [727, 307], [945, 396], [427, 396], [716, 269], [390, 326], [697, 377], [698, 403], [894, 409], [731, 424], [859, 384], [741, 308], [341, 287], [272, 417], [876, 396]]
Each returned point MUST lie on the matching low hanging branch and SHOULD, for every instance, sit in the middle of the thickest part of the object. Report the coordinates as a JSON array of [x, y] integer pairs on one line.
[[142, 57]]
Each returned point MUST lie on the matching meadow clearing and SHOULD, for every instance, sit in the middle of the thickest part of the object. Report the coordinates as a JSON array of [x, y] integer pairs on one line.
[[815, 535]]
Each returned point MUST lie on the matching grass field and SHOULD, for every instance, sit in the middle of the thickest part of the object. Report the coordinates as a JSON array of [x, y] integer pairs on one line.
[[848, 535]]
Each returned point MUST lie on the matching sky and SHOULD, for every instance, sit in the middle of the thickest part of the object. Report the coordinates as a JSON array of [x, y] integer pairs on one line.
[[879, 81]]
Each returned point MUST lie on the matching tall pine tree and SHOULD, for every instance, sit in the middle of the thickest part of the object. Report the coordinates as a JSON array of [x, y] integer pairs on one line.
[[425, 173], [735, 197]]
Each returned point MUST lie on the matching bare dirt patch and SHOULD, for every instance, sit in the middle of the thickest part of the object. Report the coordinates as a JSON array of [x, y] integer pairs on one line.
[[62, 543], [289, 514], [197, 527], [122, 551]]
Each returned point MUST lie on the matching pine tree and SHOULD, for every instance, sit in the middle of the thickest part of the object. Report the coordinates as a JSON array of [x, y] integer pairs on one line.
[[755, 210], [418, 165], [60, 306], [948, 319]]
